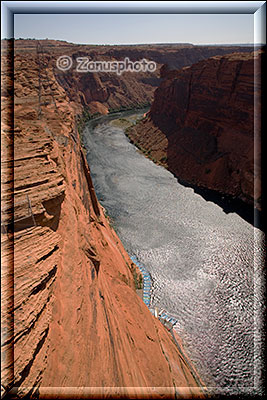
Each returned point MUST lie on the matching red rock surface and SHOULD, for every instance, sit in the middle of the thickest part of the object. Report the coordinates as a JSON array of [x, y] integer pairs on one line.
[[70, 310], [201, 125], [108, 89]]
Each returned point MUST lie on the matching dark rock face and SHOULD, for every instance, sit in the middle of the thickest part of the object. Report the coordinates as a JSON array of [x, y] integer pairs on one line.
[[129, 89], [201, 125]]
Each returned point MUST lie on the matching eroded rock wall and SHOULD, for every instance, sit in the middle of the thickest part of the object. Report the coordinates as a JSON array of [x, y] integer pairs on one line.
[[201, 125], [70, 293], [100, 92]]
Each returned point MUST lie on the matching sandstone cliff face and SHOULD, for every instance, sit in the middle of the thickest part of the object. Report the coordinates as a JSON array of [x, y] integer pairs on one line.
[[201, 125], [100, 92], [70, 310]]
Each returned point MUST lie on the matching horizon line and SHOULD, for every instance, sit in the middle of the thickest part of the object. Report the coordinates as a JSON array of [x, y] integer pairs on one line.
[[141, 43]]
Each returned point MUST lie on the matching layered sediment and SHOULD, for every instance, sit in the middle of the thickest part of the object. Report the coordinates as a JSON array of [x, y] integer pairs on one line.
[[72, 321], [106, 91], [201, 125]]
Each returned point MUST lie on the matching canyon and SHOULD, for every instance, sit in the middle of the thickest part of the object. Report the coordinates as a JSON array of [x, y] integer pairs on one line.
[[105, 91], [72, 322], [203, 124]]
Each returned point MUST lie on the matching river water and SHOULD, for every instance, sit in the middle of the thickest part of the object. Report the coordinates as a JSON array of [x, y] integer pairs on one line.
[[205, 264]]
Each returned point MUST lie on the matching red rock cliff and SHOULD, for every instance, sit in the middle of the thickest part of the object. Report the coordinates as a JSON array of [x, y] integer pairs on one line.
[[201, 125], [70, 310], [101, 92]]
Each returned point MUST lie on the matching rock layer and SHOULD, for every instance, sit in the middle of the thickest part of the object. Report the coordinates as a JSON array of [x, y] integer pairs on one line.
[[100, 92], [201, 125], [70, 311]]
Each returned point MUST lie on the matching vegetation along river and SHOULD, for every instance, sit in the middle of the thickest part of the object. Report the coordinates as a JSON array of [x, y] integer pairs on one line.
[[205, 264]]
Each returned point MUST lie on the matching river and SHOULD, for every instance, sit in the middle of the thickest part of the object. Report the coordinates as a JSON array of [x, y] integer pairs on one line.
[[205, 264]]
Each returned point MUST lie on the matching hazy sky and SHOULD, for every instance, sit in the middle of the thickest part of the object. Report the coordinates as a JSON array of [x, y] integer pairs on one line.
[[137, 28]]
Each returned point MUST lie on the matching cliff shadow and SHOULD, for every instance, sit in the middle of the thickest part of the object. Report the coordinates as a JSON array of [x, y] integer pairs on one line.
[[228, 203], [51, 216]]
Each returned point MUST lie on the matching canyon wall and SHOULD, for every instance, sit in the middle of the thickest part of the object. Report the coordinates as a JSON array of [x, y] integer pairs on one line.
[[102, 92], [201, 125], [72, 323]]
